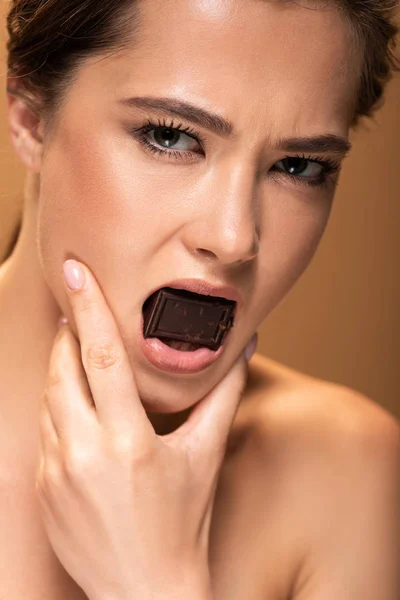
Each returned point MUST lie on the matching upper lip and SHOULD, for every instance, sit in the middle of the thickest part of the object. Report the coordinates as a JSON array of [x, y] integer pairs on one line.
[[200, 286]]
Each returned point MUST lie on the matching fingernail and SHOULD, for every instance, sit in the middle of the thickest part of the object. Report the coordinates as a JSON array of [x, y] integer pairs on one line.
[[74, 275], [251, 347], [62, 321]]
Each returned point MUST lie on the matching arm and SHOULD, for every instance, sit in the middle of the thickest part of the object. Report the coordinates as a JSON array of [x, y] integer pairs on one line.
[[354, 516]]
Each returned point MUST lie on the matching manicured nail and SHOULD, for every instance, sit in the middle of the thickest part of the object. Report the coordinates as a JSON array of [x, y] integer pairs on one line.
[[74, 275], [251, 347]]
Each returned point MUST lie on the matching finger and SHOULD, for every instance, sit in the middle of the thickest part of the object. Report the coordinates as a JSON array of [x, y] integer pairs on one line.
[[69, 401], [214, 415], [48, 437], [48, 443], [207, 428], [104, 356]]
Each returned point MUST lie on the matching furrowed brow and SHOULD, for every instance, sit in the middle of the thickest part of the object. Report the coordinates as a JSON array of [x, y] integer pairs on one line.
[[324, 143]]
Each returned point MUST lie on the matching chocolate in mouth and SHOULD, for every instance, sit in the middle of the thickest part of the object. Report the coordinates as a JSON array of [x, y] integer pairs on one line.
[[188, 317]]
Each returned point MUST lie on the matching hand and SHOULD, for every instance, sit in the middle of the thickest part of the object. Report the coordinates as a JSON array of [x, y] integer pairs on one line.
[[127, 512]]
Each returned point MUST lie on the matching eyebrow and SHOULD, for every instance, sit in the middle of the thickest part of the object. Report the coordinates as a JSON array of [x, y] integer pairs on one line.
[[325, 143]]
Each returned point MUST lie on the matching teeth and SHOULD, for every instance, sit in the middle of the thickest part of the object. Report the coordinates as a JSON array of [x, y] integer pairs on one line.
[[183, 346]]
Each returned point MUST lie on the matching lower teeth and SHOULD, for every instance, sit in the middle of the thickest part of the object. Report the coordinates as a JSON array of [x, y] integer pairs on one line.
[[183, 346]]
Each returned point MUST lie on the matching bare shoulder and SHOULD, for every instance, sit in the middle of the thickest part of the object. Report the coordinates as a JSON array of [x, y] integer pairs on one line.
[[291, 398], [303, 417], [312, 424], [333, 459]]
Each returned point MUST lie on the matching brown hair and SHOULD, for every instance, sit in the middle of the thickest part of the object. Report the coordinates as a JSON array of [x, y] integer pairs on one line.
[[49, 40]]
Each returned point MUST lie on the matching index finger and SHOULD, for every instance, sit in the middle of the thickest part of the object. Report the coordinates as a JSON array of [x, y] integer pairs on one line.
[[104, 355]]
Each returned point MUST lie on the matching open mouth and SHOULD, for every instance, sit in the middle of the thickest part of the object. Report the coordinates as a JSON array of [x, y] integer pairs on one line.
[[187, 321], [182, 346]]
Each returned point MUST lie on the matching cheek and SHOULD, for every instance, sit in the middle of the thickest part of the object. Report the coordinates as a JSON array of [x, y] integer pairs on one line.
[[94, 203], [94, 197], [292, 230]]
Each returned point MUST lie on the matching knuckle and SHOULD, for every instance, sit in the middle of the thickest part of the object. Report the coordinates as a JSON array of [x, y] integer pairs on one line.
[[135, 451], [137, 456], [143, 457], [123, 446], [102, 355], [79, 463]]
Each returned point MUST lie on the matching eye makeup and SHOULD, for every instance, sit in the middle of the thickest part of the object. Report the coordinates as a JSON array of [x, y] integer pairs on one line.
[[329, 168]]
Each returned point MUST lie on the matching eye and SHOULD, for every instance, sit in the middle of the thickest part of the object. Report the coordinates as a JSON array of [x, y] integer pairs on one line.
[[308, 170], [297, 166], [170, 141], [168, 137], [185, 145]]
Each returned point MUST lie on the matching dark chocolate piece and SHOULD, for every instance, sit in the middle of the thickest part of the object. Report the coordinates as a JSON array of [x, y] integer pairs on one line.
[[188, 317]]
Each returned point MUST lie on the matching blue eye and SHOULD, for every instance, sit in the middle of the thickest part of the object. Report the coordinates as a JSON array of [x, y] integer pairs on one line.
[[167, 140]]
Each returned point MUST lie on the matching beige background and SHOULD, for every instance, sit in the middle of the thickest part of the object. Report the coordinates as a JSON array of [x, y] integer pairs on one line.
[[340, 322]]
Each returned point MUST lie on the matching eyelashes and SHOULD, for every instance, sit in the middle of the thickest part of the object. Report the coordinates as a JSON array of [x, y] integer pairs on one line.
[[329, 168], [183, 155]]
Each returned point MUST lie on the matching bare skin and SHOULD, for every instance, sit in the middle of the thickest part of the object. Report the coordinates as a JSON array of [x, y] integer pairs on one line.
[[303, 454]]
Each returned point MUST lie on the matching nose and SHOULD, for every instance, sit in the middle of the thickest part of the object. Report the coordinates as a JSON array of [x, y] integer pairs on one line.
[[224, 222]]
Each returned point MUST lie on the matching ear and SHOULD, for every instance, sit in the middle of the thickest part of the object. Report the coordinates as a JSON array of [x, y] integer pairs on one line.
[[24, 127]]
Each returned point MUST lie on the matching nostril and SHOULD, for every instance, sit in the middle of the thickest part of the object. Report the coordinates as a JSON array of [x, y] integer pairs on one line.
[[207, 253]]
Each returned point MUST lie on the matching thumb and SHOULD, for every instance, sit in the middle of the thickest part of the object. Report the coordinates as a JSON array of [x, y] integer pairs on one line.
[[207, 428]]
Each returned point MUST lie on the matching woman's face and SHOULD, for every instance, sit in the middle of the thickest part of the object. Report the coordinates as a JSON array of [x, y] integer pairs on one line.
[[145, 206]]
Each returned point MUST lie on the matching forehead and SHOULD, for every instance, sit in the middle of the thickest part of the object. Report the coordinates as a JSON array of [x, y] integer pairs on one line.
[[281, 61]]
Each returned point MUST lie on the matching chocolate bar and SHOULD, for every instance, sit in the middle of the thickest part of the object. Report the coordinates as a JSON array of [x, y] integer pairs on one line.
[[188, 317]]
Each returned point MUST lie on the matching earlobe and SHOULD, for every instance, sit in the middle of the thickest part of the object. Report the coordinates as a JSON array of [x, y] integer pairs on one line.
[[29, 149], [23, 128]]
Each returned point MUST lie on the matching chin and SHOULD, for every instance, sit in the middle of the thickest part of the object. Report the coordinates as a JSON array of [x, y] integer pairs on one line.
[[167, 394], [163, 404]]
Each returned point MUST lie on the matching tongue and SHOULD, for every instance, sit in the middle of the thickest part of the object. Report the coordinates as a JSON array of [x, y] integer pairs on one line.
[[183, 346]]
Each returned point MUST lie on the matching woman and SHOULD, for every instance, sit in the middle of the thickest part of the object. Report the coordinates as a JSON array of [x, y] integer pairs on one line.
[[168, 140]]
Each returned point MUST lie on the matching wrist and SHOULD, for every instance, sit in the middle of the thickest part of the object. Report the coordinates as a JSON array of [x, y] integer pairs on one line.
[[202, 593], [191, 585]]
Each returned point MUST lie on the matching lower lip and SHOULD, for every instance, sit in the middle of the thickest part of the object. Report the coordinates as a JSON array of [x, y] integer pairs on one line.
[[176, 361]]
